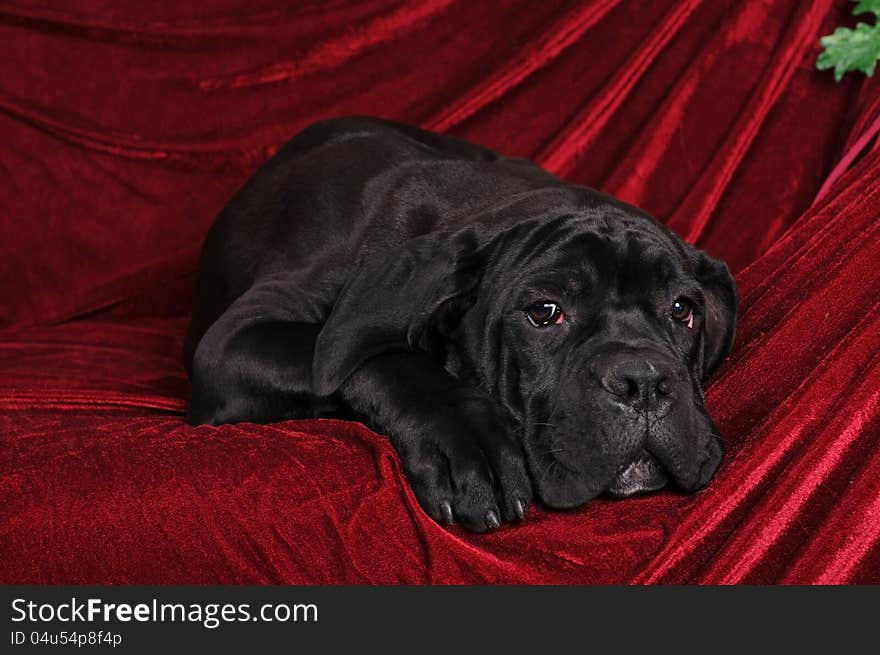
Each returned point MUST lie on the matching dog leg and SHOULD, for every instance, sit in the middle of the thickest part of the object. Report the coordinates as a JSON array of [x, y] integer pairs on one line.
[[457, 448], [254, 363]]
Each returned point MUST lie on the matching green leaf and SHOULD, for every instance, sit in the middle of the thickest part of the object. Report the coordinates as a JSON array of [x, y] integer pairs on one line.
[[849, 50], [865, 6]]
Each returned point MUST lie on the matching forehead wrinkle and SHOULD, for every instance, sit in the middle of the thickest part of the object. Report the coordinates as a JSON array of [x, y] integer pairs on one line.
[[542, 239], [570, 253], [646, 263], [569, 267], [628, 263]]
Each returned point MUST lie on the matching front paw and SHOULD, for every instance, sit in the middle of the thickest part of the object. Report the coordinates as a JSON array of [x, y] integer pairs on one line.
[[467, 469]]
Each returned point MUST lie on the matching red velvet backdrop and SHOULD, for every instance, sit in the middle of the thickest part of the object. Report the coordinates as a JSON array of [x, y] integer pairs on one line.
[[123, 130]]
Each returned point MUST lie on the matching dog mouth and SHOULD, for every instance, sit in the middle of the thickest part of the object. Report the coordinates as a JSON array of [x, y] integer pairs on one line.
[[644, 475], [630, 458]]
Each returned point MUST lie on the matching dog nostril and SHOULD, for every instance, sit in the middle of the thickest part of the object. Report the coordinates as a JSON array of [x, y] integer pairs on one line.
[[633, 389], [614, 384], [641, 384]]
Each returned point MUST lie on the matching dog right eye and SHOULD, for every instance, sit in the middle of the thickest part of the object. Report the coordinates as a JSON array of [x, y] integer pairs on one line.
[[543, 314]]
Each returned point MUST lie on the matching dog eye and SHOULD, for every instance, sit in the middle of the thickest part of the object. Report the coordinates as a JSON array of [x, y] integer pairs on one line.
[[543, 314], [683, 312]]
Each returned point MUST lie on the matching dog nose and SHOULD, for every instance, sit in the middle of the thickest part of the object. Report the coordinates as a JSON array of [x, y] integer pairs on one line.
[[640, 383]]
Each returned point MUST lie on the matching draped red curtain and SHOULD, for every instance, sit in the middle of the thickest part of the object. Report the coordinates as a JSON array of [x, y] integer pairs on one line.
[[125, 127]]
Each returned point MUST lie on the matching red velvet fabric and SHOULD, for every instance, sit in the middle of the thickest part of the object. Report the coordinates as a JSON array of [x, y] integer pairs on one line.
[[125, 126]]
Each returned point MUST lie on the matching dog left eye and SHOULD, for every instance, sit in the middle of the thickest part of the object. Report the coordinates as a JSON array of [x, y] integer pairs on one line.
[[683, 312], [543, 314]]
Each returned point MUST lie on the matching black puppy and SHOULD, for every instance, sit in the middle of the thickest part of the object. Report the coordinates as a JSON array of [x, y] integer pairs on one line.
[[509, 332]]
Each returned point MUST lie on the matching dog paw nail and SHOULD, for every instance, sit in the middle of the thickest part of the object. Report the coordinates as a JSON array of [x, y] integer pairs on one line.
[[492, 520], [446, 511], [520, 508]]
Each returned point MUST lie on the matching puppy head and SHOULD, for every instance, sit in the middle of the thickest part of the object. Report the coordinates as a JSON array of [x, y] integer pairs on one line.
[[606, 329], [594, 330]]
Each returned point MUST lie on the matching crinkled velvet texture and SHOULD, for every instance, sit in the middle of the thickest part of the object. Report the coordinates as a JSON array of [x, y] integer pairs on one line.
[[125, 129]]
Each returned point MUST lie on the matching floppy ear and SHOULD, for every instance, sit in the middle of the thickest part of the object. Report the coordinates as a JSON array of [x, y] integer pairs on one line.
[[719, 291], [392, 300]]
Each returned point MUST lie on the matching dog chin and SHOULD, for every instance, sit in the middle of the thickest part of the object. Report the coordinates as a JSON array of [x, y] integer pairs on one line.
[[565, 496], [561, 488], [644, 475]]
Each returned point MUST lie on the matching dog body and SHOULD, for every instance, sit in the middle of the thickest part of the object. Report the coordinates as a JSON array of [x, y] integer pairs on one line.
[[513, 335]]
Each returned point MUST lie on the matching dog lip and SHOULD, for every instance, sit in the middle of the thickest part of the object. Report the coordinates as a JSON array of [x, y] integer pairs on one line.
[[643, 475]]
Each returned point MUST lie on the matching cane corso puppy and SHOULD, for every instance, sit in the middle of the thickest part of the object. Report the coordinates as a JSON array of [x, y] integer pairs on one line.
[[515, 336]]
